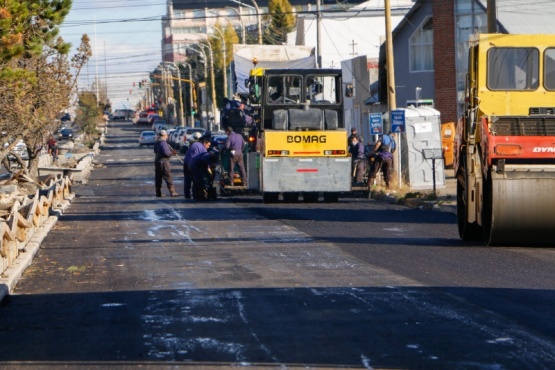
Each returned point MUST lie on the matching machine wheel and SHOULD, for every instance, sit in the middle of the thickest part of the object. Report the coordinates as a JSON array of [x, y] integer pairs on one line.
[[331, 197], [467, 231], [292, 197], [311, 197], [268, 197], [487, 213], [212, 193]]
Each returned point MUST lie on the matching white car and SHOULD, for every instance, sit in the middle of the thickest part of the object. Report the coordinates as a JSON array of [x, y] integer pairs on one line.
[[119, 114], [186, 137], [147, 138]]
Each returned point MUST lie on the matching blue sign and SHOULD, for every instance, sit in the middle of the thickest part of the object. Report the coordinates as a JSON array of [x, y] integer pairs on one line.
[[397, 121], [376, 124]]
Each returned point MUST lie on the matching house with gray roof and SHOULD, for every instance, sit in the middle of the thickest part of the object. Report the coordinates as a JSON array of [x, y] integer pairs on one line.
[[431, 46]]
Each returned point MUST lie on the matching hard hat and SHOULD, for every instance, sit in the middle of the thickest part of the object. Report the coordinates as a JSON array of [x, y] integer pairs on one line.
[[197, 135]]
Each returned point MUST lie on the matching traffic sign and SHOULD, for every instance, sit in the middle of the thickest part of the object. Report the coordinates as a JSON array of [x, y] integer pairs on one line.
[[398, 121], [376, 123]]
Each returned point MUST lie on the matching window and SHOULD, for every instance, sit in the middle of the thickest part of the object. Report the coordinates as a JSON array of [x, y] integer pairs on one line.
[[549, 64], [513, 69], [198, 13], [291, 85], [321, 89], [421, 45]]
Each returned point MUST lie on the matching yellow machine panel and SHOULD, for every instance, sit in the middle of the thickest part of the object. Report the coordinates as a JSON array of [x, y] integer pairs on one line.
[[508, 92], [305, 143]]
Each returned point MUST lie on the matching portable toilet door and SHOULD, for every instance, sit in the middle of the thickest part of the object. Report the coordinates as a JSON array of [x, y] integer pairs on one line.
[[422, 153]]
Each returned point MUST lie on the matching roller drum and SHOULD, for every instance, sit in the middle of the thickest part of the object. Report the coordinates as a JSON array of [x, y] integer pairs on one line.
[[520, 206]]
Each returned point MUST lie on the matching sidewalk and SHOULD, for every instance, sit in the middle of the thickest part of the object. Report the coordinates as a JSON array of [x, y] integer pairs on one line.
[[446, 200]]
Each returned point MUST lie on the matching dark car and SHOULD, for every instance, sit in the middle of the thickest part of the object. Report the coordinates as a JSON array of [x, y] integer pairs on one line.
[[66, 117], [66, 133], [218, 142]]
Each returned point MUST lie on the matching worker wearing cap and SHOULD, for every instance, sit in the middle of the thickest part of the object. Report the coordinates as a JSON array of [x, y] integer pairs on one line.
[[383, 154], [354, 133], [234, 144], [162, 164], [200, 146], [202, 168]]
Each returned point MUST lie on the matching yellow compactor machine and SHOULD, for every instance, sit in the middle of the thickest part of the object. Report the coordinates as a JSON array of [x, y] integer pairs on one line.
[[505, 142]]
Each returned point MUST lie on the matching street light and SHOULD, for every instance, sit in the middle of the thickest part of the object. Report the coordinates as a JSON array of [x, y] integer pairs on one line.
[[257, 17], [224, 59], [190, 91], [208, 125], [212, 82], [243, 36], [231, 20], [181, 115]]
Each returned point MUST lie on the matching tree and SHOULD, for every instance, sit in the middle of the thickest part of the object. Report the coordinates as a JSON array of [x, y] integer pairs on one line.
[[89, 114], [231, 37], [281, 22], [35, 74]]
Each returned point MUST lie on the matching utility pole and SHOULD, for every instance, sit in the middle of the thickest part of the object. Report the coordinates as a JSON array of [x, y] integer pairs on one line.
[[492, 16], [353, 44], [258, 21], [318, 34], [192, 119], [181, 107], [213, 83], [391, 98]]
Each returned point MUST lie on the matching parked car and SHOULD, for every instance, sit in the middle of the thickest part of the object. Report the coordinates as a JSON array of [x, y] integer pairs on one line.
[[218, 142], [173, 138], [170, 132], [65, 117], [119, 114], [186, 138], [66, 133], [143, 119], [20, 149], [152, 118], [147, 138], [158, 125]]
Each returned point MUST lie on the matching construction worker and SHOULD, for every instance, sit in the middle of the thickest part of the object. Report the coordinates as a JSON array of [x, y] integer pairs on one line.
[[202, 169], [200, 146], [234, 144], [162, 164], [356, 149], [383, 153]]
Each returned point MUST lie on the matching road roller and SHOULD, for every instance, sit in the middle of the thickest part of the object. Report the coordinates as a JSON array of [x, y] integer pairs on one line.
[[505, 141]]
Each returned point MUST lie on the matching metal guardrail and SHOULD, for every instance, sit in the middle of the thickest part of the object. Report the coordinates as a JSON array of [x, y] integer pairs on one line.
[[26, 217]]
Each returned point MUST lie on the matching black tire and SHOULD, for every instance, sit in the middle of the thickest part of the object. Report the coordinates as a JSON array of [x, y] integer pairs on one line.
[[268, 197], [291, 197], [311, 197], [331, 197], [212, 193], [487, 213], [467, 231]]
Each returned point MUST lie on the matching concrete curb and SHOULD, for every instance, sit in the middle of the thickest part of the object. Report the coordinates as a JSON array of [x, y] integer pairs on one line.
[[14, 272], [429, 205]]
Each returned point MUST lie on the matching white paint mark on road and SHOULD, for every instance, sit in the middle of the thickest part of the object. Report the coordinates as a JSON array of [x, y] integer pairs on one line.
[[394, 229], [113, 304], [179, 229], [365, 362], [500, 340]]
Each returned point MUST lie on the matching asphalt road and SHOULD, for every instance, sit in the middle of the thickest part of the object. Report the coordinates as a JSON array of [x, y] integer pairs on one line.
[[128, 280]]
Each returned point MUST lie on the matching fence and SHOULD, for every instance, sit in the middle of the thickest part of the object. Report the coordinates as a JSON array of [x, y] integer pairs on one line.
[[22, 231]]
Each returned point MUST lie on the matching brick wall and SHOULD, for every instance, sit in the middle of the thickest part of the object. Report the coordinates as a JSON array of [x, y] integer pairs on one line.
[[444, 59]]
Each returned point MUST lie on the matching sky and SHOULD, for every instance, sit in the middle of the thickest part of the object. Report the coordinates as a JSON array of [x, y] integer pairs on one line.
[[126, 42]]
